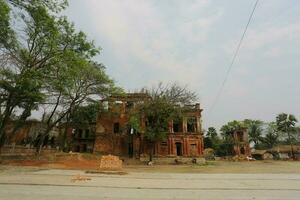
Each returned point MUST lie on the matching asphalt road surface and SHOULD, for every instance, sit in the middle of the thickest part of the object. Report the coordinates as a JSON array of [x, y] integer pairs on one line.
[[58, 184]]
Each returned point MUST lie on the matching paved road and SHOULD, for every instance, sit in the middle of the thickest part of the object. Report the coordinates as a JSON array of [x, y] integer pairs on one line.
[[57, 184]]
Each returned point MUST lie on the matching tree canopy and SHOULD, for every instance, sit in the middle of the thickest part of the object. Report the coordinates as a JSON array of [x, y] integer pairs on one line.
[[166, 103], [45, 61]]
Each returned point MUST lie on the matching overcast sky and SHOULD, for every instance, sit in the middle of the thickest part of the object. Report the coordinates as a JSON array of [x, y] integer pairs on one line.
[[192, 42]]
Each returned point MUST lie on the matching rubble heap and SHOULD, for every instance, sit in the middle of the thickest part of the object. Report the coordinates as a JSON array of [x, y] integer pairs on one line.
[[110, 162]]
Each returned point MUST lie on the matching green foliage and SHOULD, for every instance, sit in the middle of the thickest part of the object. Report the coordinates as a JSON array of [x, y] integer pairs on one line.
[[283, 131], [158, 112], [208, 143], [254, 128], [134, 123], [212, 140], [286, 125], [270, 139], [166, 104], [211, 132], [230, 127], [225, 147], [7, 36], [44, 60], [85, 114], [222, 147]]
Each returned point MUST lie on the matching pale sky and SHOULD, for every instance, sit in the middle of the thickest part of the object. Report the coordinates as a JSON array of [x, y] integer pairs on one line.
[[192, 42]]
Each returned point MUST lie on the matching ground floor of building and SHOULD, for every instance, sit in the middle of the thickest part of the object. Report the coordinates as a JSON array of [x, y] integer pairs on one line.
[[189, 145]]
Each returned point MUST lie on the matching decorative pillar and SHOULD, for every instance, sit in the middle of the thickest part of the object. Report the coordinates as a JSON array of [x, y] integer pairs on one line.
[[199, 147], [187, 147], [184, 125], [184, 146], [170, 126], [198, 126], [169, 145]]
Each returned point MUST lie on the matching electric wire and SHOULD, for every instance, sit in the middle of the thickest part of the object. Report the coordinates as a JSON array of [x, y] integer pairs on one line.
[[233, 60]]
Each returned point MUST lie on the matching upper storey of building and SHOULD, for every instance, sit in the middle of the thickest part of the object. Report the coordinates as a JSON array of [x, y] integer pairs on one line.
[[115, 112], [129, 101]]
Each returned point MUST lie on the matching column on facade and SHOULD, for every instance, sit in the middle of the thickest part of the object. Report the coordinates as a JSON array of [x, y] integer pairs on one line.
[[170, 145], [170, 126], [184, 124], [200, 146], [187, 146], [198, 124], [184, 144]]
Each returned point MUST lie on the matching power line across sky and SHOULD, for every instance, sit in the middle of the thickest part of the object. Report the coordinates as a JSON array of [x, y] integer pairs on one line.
[[216, 99]]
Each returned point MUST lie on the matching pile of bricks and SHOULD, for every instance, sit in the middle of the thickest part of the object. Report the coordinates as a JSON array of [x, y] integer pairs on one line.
[[110, 162]]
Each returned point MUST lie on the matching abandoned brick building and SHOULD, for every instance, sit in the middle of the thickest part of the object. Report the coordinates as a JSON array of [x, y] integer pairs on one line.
[[241, 143], [185, 137]]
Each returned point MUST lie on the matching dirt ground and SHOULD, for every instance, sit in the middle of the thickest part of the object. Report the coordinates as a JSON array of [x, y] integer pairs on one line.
[[92, 162], [29, 183], [77, 176], [214, 167]]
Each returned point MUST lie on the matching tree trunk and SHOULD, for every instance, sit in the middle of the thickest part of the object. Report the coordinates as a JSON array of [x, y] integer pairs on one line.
[[42, 139], [64, 136], [151, 152], [4, 122]]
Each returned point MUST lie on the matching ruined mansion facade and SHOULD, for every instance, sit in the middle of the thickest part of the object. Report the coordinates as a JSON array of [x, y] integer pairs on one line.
[[114, 136]]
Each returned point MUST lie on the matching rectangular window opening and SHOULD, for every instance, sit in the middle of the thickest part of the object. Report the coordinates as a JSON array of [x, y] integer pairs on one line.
[[117, 127], [177, 125], [191, 125]]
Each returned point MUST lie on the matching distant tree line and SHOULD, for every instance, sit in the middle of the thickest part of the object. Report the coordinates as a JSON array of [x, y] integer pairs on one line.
[[262, 135]]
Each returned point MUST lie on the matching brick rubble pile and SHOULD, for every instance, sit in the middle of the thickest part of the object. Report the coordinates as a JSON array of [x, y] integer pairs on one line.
[[110, 162]]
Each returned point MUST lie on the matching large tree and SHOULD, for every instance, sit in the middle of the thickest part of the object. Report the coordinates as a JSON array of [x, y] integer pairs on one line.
[[211, 139], [286, 124], [227, 131], [71, 88], [44, 60], [30, 42], [211, 132], [271, 138], [232, 126]]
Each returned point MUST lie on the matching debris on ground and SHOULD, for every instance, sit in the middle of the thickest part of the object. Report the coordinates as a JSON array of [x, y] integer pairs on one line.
[[150, 163], [79, 177], [249, 158], [242, 158]]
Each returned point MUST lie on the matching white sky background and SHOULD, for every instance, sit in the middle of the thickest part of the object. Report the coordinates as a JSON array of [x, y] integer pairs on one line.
[[192, 42]]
